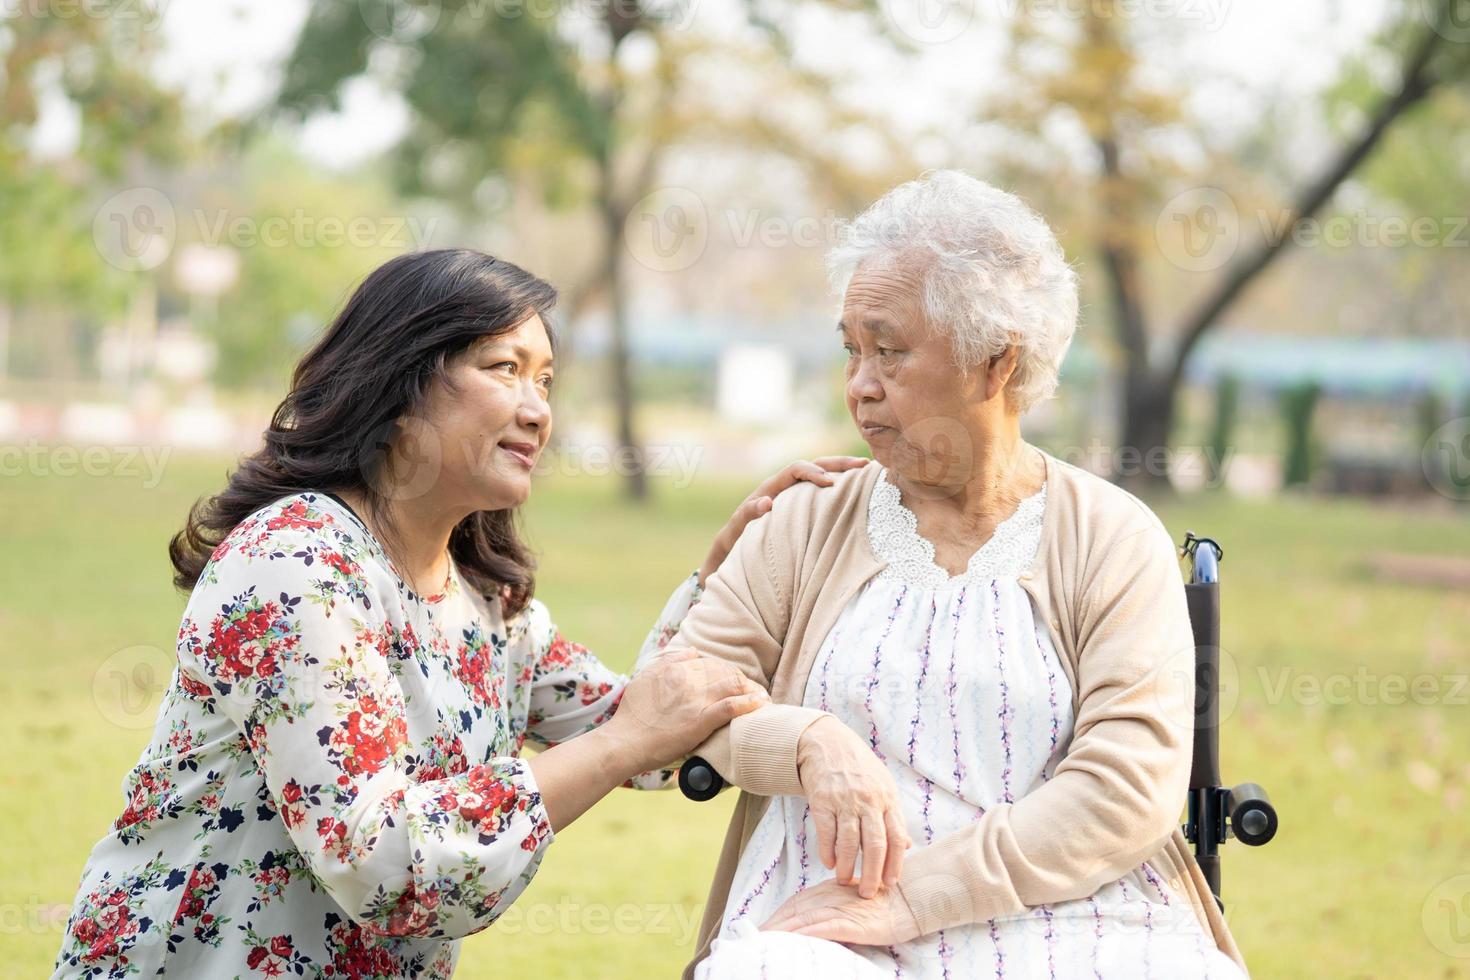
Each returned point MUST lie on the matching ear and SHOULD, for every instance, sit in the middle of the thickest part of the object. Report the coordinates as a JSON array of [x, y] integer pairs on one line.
[[998, 370]]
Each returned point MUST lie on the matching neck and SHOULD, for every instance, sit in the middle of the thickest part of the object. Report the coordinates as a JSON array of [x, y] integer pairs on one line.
[[1003, 471], [415, 532]]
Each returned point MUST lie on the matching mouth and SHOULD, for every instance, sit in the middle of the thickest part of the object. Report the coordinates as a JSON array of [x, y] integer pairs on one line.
[[871, 429], [523, 453]]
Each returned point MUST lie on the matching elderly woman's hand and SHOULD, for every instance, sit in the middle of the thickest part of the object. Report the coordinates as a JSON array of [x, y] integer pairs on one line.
[[818, 471], [854, 804], [828, 910]]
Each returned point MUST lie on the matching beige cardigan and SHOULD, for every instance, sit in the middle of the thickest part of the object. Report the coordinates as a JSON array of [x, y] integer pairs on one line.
[[1105, 578]]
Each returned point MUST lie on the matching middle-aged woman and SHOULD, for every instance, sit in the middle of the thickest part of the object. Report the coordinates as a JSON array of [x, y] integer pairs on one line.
[[335, 785], [974, 648]]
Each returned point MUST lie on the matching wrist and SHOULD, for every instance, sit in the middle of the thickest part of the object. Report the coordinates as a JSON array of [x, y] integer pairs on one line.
[[619, 752], [808, 746]]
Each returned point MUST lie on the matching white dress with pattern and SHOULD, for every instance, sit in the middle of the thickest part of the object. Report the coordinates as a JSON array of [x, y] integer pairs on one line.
[[955, 684]]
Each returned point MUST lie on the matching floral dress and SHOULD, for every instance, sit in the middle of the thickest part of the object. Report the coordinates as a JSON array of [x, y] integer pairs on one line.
[[955, 685], [334, 787]]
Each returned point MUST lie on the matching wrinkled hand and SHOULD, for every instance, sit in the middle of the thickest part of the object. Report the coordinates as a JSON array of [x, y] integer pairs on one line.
[[854, 804], [829, 910], [819, 471], [676, 702]]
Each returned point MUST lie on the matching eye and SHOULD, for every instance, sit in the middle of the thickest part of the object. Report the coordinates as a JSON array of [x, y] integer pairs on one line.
[[545, 381], [511, 366], [886, 352]]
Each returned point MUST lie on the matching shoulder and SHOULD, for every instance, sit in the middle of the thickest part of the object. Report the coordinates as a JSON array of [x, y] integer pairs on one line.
[[293, 579], [532, 627], [1097, 511], [809, 508], [1107, 539], [301, 536]]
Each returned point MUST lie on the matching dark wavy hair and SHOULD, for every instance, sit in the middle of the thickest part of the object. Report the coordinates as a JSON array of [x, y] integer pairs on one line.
[[370, 369]]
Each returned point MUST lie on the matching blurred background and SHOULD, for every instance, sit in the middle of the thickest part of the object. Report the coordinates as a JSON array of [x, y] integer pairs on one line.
[[1267, 204]]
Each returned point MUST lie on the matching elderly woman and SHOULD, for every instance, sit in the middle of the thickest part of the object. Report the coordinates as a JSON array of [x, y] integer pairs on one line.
[[971, 649]]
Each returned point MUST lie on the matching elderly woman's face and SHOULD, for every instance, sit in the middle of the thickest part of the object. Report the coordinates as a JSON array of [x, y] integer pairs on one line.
[[914, 408]]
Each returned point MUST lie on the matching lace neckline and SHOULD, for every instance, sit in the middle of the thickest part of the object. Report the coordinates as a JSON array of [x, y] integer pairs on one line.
[[893, 530]]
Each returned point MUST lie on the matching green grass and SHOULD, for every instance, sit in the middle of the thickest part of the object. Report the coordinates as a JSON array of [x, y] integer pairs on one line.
[[1372, 796]]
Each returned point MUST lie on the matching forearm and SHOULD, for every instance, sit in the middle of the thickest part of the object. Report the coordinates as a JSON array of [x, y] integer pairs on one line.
[[1007, 862], [385, 849], [575, 774], [758, 752]]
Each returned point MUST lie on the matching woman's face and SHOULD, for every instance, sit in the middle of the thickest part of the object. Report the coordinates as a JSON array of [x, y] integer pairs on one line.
[[493, 420], [917, 412]]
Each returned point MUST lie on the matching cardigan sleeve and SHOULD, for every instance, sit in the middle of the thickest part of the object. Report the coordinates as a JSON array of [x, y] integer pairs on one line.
[[1117, 794], [290, 635], [743, 619]]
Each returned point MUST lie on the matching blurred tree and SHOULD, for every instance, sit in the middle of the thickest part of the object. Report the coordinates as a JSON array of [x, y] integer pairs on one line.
[[1421, 171], [583, 102], [1222, 434], [495, 89], [308, 236], [1088, 72], [93, 63], [1298, 405], [1431, 415]]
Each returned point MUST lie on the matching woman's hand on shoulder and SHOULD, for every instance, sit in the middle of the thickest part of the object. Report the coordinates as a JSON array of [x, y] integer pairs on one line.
[[817, 471], [854, 803]]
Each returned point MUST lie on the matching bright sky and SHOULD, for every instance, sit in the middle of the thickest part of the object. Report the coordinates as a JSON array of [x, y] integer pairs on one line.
[[1238, 52]]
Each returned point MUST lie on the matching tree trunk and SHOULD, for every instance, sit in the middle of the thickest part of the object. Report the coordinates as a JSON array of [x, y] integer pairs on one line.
[[1141, 463], [630, 453]]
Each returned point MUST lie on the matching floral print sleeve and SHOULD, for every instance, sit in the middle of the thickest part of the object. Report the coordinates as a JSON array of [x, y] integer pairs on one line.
[[572, 692], [296, 650], [685, 597]]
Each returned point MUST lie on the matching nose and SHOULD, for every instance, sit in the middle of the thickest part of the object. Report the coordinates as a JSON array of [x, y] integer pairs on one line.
[[863, 384], [534, 412]]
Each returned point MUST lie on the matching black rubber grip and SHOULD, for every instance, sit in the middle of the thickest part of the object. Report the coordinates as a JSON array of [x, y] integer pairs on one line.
[[699, 781]]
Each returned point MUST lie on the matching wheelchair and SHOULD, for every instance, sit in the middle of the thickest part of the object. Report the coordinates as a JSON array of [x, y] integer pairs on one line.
[[1214, 812]]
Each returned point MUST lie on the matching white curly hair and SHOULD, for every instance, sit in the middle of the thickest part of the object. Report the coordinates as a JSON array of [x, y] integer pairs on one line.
[[993, 273]]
